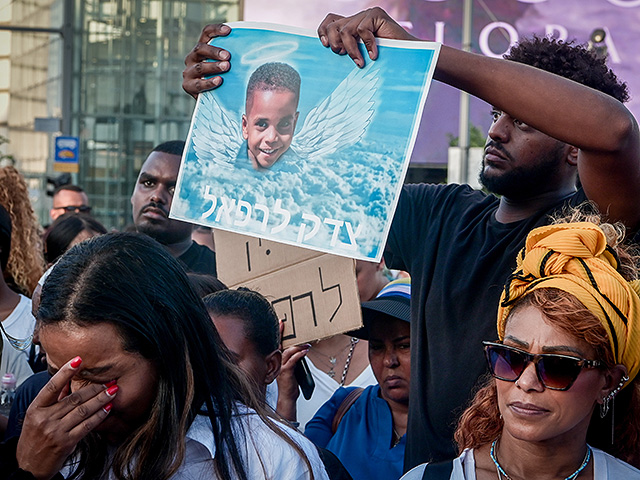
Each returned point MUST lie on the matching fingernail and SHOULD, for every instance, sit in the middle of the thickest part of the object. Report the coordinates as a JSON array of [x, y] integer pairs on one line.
[[75, 363], [111, 391], [224, 55], [111, 383], [323, 40], [216, 82], [107, 407], [224, 66], [307, 346], [225, 28]]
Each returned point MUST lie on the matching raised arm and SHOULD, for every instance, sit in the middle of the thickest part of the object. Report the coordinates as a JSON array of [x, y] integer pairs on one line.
[[603, 130], [206, 61]]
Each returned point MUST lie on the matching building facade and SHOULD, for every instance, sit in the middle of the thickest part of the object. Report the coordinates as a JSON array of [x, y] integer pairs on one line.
[[125, 95]]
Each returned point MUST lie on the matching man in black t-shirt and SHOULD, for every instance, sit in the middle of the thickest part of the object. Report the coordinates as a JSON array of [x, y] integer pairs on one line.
[[459, 245], [151, 202]]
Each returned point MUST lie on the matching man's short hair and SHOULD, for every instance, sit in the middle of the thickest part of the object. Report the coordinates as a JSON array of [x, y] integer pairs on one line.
[[274, 76], [69, 187], [172, 147], [571, 61]]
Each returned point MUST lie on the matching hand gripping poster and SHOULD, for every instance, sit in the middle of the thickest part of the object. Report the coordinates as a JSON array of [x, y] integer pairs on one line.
[[301, 146]]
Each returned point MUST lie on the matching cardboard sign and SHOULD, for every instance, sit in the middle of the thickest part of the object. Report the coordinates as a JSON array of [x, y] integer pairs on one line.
[[301, 146], [314, 294]]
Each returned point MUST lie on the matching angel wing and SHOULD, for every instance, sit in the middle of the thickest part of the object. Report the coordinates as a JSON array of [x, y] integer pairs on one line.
[[341, 119], [217, 136]]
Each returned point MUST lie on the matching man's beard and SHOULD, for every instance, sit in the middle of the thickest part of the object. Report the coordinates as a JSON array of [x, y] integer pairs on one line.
[[523, 181]]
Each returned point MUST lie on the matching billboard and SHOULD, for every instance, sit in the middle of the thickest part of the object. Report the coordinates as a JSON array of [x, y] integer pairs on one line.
[[496, 25]]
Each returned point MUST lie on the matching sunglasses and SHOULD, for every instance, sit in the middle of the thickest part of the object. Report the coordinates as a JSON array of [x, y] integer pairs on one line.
[[557, 372], [73, 208]]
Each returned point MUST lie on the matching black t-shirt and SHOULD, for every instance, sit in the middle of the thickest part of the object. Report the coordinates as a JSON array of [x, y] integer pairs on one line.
[[199, 259], [459, 256]]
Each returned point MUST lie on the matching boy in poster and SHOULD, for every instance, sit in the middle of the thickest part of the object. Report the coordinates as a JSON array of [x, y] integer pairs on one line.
[[271, 113]]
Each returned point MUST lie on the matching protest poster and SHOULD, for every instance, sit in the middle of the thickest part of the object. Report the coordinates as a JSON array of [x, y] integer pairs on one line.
[[313, 151], [314, 294]]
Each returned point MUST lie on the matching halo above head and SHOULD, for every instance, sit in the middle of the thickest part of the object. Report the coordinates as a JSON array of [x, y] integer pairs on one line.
[[394, 300], [575, 258]]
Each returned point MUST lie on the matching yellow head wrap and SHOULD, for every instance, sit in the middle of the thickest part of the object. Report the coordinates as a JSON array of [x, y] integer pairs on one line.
[[574, 257]]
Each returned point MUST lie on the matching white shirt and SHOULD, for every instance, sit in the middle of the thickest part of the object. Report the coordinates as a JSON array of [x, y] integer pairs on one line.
[[605, 467], [13, 361], [266, 455], [20, 322]]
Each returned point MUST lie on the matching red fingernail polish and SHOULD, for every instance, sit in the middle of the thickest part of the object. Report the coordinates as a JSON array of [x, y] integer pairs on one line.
[[107, 407], [111, 391], [75, 363], [110, 384]]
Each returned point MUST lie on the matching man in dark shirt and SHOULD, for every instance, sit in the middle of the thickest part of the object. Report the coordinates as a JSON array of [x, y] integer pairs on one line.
[[459, 245], [151, 202]]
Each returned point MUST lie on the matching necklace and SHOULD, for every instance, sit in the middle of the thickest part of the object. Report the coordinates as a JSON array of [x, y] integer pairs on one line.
[[396, 438], [502, 473], [354, 340], [332, 359]]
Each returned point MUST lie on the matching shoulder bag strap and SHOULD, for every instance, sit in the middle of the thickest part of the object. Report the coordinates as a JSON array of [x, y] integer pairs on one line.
[[438, 471], [349, 400]]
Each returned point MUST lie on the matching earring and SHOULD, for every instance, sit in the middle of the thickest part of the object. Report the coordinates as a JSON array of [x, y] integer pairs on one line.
[[604, 407]]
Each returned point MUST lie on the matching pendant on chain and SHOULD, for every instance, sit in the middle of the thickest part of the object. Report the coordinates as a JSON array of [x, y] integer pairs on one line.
[[332, 372]]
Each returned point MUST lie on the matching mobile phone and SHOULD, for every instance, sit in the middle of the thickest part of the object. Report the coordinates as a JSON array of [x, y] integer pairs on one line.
[[303, 377]]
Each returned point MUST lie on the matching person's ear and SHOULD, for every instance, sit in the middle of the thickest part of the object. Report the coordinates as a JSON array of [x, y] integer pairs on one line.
[[572, 155], [274, 364], [245, 127], [613, 379]]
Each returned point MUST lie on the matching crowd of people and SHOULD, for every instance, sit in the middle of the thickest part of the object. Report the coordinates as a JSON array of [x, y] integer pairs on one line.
[[511, 350]]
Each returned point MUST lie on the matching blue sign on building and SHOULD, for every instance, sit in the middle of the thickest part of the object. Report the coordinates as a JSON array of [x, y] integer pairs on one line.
[[66, 154]]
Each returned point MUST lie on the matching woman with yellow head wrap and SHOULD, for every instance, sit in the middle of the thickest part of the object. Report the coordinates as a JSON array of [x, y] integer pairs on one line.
[[575, 258], [569, 341]]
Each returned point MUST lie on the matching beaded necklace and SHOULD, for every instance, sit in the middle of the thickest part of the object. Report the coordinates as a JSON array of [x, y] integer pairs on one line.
[[502, 473]]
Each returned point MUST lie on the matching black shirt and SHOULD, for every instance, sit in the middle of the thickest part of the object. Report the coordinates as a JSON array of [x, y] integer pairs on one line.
[[199, 259], [459, 256]]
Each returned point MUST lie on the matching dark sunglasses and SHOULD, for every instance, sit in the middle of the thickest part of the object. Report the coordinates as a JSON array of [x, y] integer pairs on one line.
[[73, 208], [557, 372]]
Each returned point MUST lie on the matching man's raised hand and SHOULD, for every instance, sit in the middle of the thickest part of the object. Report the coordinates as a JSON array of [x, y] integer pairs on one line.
[[343, 33], [206, 61]]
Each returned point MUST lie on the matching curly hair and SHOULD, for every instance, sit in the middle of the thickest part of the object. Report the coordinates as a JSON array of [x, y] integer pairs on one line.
[[273, 76], [26, 259], [571, 61]]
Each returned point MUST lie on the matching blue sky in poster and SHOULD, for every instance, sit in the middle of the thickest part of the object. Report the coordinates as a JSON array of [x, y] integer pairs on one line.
[[339, 202]]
